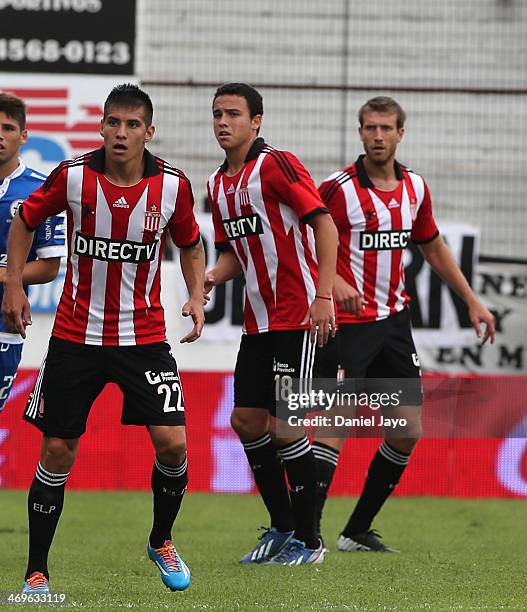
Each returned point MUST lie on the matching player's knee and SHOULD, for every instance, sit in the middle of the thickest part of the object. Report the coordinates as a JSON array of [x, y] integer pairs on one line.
[[172, 453], [249, 423], [403, 445], [58, 455]]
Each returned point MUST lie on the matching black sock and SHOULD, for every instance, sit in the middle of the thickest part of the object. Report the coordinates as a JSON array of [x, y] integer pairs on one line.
[[44, 506], [300, 467], [326, 457], [269, 476], [383, 475], [168, 485]]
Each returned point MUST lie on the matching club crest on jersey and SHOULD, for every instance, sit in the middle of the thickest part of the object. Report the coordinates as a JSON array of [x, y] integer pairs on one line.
[[14, 206], [243, 196], [152, 218], [241, 227]]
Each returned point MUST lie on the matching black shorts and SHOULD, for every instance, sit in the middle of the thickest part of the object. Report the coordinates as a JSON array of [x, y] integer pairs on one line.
[[264, 358], [73, 375], [381, 350]]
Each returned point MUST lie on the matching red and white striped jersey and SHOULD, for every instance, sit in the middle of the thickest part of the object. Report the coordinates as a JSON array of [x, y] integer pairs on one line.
[[261, 214], [116, 236], [374, 228]]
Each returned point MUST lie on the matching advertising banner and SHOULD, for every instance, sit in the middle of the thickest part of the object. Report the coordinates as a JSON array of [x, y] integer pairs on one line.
[[63, 115], [67, 36], [486, 455], [503, 289]]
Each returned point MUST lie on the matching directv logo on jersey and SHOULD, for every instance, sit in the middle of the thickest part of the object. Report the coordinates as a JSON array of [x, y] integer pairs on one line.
[[104, 249], [241, 227], [384, 241]]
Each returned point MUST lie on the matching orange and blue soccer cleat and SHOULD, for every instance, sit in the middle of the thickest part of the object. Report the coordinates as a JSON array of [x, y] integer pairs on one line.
[[36, 584], [174, 572]]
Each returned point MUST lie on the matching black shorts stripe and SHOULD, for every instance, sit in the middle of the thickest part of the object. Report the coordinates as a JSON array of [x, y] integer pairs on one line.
[[34, 397]]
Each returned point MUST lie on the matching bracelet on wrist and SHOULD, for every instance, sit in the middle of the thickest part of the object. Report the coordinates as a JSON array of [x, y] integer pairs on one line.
[[323, 297]]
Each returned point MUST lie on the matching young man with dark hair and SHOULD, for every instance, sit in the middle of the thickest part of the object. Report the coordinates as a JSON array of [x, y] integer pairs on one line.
[[43, 261], [121, 202], [379, 196], [271, 225], [130, 95]]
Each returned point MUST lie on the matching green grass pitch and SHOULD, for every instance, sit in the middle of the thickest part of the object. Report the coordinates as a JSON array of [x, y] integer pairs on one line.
[[456, 555]]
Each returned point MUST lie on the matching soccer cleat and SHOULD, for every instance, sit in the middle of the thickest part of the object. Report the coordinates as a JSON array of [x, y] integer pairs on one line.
[[296, 553], [319, 534], [270, 544], [324, 547], [367, 541], [36, 584], [174, 572]]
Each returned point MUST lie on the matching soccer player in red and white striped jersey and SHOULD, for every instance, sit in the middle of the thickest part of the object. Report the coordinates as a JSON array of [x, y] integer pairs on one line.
[[271, 226], [121, 202], [378, 205]]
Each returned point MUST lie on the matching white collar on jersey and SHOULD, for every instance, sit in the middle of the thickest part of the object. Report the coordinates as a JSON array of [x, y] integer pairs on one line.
[[4, 185], [17, 171]]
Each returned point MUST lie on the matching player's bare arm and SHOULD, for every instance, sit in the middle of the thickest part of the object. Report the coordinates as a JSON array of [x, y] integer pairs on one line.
[[321, 311], [438, 255], [192, 260], [227, 267], [347, 296], [37, 272], [15, 305]]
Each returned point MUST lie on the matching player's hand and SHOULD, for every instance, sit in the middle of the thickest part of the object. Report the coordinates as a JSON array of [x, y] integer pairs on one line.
[[348, 297], [322, 317], [479, 314], [208, 286], [194, 308], [15, 309]]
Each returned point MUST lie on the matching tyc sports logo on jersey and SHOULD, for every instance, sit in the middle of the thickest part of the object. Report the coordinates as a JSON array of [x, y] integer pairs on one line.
[[384, 240], [241, 227]]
